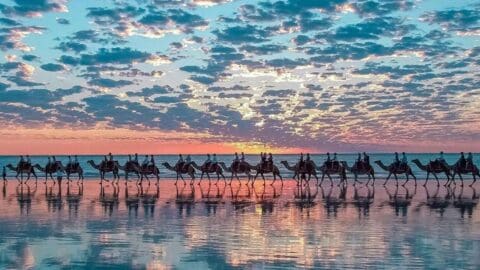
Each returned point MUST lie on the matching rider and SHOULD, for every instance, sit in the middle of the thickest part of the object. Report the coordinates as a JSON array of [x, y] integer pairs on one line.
[[404, 159], [129, 157], [334, 160], [396, 161], [188, 161], [366, 158], [207, 161], [152, 160], [75, 161], [180, 160], [264, 160], [301, 163], [242, 158], [69, 160], [462, 161], [214, 162], [441, 159], [49, 162], [270, 161], [236, 161], [469, 161], [145, 162], [136, 158], [110, 159], [307, 160]]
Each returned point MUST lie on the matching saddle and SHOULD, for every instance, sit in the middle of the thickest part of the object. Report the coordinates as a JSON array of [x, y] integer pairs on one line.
[[23, 165]]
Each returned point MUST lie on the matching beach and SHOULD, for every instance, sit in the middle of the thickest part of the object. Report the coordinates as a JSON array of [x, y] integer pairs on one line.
[[237, 226]]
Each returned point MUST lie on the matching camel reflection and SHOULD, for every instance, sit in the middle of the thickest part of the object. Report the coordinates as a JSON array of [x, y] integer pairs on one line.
[[265, 199], [241, 201], [109, 201], [304, 197], [53, 196], [25, 196], [400, 202], [464, 202], [331, 202], [185, 199], [212, 198], [436, 202], [74, 198], [363, 201], [149, 200], [132, 199]]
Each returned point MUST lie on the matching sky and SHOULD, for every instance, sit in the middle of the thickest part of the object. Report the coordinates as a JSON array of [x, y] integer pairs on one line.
[[196, 76]]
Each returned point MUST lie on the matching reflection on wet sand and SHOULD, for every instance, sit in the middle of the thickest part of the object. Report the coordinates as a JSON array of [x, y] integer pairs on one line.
[[184, 226]]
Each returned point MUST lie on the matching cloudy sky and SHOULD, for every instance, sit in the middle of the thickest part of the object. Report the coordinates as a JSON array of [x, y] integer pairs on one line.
[[198, 76]]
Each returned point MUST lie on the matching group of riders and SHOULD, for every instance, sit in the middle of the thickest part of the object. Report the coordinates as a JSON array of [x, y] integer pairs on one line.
[[266, 161]]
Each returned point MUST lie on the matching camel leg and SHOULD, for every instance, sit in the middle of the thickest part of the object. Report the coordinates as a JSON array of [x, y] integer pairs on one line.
[[461, 179], [373, 177], [426, 180], [406, 174], [414, 177], [396, 178], [388, 177], [436, 178], [474, 179], [368, 175], [323, 177]]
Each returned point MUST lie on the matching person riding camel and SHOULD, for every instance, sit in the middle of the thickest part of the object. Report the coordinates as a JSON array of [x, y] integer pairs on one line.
[[145, 162], [307, 161], [469, 161], [49, 162], [328, 161], [180, 161], [334, 161], [152, 161], [270, 162], [301, 162], [135, 159], [441, 160], [236, 161], [264, 160], [129, 158], [207, 161], [404, 160], [396, 161], [110, 160], [359, 162], [366, 159], [462, 161], [242, 157], [188, 161], [75, 162], [214, 163]]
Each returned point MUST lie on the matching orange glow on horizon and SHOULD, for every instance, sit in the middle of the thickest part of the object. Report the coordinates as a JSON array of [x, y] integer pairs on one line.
[[122, 141]]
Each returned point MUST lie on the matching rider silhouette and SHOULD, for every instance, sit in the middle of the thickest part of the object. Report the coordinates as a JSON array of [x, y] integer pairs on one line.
[[270, 161], [469, 161]]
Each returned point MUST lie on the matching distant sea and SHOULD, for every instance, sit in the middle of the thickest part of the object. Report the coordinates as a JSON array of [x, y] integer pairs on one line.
[[387, 158]]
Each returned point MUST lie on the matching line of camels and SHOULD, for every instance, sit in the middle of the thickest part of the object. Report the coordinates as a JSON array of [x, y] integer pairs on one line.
[[300, 171]]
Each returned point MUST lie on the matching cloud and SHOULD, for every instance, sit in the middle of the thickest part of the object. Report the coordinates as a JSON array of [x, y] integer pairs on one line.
[[52, 67], [34, 8], [109, 83], [454, 19]]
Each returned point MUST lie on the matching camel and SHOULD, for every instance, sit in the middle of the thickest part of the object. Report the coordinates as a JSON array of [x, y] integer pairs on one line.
[[50, 169], [309, 169], [130, 167], [21, 169], [243, 167], [263, 169], [72, 169], [356, 169], [181, 169], [140, 171], [105, 167], [334, 168], [393, 169], [433, 167], [458, 169], [209, 169]]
